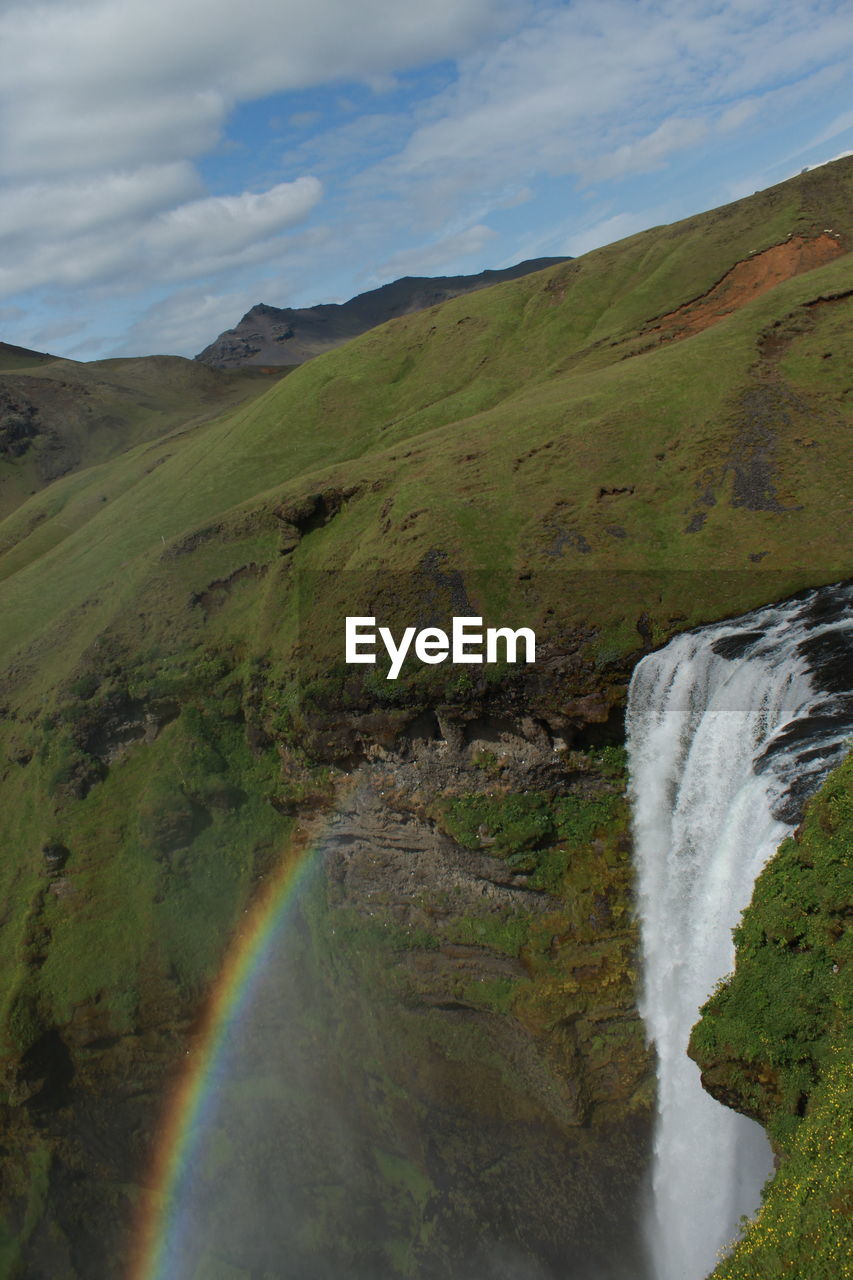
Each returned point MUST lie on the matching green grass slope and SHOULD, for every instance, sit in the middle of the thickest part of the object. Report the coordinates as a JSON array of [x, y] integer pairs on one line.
[[20, 359], [58, 416], [537, 405]]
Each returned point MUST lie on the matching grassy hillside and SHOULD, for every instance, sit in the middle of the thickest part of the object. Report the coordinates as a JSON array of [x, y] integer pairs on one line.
[[553, 423], [645, 438], [58, 416], [18, 359]]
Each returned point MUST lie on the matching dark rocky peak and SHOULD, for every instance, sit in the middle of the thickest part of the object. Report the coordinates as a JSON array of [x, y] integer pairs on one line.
[[269, 335]]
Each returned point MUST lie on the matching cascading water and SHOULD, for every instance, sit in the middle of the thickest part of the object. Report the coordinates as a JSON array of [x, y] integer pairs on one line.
[[730, 729]]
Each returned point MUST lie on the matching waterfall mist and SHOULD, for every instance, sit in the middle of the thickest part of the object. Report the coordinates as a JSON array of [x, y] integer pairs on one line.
[[730, 729], [335, 1139]]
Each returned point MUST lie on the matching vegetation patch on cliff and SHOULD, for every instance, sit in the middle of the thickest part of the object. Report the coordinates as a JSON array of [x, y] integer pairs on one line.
[[776, 1042]]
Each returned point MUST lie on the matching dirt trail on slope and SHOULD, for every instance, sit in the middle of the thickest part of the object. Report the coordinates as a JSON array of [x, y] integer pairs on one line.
[[747, 280]]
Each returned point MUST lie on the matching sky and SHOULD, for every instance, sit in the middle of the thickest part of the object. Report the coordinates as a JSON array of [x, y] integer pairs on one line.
[[166, 164]]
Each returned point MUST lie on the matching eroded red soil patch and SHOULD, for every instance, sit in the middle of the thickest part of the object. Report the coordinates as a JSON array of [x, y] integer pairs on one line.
[[747, 280]]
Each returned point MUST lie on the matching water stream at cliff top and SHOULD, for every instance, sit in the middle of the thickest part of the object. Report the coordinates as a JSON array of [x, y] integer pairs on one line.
[[730, 729]]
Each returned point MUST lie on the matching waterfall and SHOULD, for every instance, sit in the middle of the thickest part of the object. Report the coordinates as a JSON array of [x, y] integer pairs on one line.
[[730, 728]]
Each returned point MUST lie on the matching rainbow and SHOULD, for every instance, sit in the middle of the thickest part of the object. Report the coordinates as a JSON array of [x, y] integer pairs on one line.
[[187, 1107]]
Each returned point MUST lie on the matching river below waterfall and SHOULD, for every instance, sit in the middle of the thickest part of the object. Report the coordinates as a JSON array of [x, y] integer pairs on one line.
[[730, 729]]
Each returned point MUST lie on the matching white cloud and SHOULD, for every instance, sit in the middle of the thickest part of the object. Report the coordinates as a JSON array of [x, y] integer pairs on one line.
[[349, 147], [441, 255], [791, 41], [131, 81], [633, 80], [223, 225], [523, 195], [10, 316], [839, 125], [199, 237], [616, 227], [736, 115], [649, 152], [71, 206], [56, 332], [72, 264], [183, 315], [301, 119], [107, 106], [50, 134], [186, 321]]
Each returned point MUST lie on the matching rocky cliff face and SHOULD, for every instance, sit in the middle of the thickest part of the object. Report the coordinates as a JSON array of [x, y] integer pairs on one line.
[[476, 1096], [468, 961], [288, 336]]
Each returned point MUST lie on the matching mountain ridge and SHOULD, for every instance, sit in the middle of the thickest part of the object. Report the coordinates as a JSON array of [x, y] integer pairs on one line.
[[267, 334]]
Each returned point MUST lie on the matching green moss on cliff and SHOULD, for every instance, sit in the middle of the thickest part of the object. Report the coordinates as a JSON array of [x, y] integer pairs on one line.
[[776, 1041], [511, 825], [160, 821]]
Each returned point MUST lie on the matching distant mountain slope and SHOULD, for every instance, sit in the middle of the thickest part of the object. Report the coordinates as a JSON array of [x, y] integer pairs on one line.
[[18, 358], [58, 416], [288, 336]]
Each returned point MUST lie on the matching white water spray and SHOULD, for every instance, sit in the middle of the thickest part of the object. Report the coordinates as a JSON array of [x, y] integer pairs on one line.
[[730, 728]]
